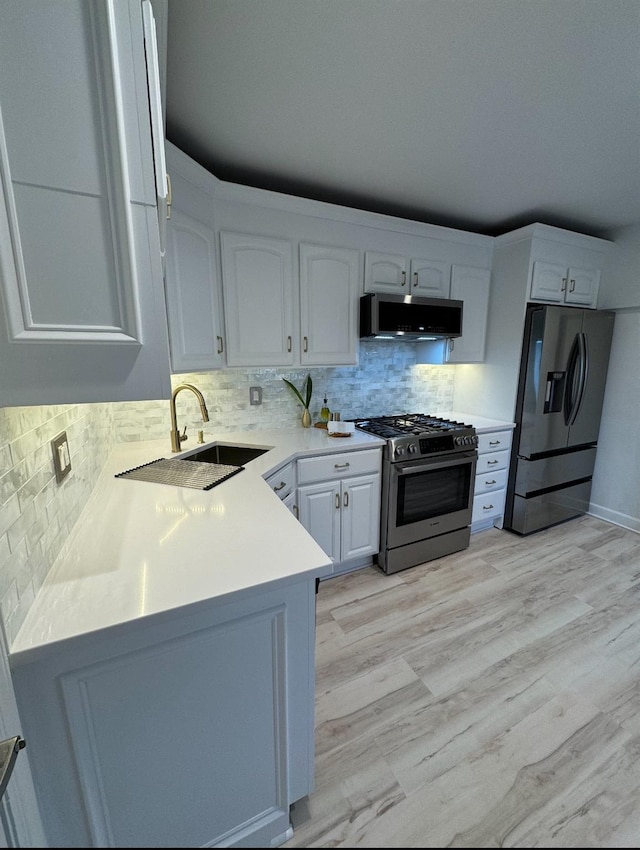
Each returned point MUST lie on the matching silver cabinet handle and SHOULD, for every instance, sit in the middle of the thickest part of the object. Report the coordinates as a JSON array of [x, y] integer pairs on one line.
[[488, 483], [492, 462], [404, 278], [289, 344], [564, 284], [573, 286], [415, 278], [494, 442], [487, 507], [306, 343], [345, 501], [220, 345], [295, 511], [280, 486], [341, 465], [338, 501]]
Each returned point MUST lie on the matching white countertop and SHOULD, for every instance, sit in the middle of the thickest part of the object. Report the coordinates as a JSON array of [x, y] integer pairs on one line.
[[141, 549], [480, 423]]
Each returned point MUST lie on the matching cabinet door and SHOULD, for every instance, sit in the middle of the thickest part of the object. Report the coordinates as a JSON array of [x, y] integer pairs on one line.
[[193, 307], [360, 516], [257, 284], [548, 282], [385, 273], [583, 286], [319, 508], [81, 281], [471, 286], [328, 302], [430, 278], [156, 119]]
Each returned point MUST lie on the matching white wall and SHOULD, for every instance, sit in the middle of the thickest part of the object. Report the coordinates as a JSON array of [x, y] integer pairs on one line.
[[615, 494]]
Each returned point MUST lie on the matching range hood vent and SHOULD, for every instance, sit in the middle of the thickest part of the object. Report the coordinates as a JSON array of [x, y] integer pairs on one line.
[[409, 318]]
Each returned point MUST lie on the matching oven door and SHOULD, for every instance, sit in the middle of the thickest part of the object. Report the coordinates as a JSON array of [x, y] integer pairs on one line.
[[429, 496]]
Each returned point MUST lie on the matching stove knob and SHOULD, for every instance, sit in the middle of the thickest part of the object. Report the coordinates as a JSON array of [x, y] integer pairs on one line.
[[458, 441], [399, 451], [412, 448]]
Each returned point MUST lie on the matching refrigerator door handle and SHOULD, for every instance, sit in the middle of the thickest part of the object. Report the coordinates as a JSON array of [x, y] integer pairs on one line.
[[577, 369]]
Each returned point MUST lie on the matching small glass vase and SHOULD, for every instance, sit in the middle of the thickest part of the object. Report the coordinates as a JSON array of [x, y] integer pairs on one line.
[[306, 418]]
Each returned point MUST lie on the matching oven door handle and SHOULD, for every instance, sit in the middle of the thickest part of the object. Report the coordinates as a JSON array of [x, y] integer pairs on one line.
[[427, 467]]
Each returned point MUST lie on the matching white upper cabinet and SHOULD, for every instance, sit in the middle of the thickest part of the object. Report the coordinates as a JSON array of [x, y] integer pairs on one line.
[[257, 283], [193, 309], [471, 286], [81, 288], [564, 267], [558, 284], [262, 300], [328, 305], [430, 278], [400, 275]]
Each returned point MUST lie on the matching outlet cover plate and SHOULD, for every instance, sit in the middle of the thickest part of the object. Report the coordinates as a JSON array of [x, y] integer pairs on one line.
[[61, 456]]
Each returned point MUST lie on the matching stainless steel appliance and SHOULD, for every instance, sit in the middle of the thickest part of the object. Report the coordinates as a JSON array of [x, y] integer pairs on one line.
[[428, 471], [565, 355], [407, 317]]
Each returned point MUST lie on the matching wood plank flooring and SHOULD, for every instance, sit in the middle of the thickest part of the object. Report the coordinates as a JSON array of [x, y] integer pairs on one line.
[[490, 698]]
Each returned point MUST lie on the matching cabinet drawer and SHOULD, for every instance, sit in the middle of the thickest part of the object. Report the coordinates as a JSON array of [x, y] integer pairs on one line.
[[497, 441], [342, 465], [283, 480], [488, 506], [492, 461], [487, 481]]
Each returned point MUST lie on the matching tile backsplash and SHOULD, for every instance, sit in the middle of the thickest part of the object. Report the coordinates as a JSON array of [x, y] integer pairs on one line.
[[37, 514]]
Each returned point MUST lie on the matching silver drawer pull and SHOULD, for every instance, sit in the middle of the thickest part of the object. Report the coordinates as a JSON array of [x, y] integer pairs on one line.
[[341, 465], [489, 482], [492, 462], [487, 507], [494, 442], [280, 486], [338, 501]]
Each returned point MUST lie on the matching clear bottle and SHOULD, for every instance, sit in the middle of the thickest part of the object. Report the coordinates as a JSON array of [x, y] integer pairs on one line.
[[324, 412]]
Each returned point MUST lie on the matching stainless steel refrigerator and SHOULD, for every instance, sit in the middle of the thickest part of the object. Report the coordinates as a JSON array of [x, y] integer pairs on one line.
[[565, 355]]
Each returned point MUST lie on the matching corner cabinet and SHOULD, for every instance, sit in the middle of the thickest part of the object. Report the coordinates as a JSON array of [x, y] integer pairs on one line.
[[81, 284], [339, 505], [264, 291]]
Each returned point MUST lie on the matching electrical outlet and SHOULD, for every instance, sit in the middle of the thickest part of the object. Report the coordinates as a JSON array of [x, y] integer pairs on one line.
[[255, 395], [61, 456]]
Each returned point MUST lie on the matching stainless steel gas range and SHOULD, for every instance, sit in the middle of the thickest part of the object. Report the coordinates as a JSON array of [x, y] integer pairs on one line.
[[428, 472]]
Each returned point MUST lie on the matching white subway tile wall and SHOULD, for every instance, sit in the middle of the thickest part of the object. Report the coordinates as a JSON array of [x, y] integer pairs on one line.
[[37, 514]]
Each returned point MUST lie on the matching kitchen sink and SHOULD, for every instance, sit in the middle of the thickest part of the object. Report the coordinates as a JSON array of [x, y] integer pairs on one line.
[[221, 453]]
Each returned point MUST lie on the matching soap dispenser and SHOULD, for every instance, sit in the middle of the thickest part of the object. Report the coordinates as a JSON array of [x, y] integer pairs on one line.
[[324, 412]]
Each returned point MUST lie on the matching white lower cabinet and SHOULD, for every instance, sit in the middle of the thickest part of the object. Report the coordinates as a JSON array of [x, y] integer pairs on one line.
[[494, 452], [341, 507], [193, 730]]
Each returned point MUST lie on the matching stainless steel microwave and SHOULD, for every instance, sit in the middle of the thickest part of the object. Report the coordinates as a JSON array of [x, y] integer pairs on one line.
[[406, 317]]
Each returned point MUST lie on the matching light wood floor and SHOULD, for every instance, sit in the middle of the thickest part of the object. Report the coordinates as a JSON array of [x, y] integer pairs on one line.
[[487, 699]]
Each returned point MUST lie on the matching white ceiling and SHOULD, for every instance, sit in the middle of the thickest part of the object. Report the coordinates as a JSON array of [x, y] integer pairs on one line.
[[479, 114]]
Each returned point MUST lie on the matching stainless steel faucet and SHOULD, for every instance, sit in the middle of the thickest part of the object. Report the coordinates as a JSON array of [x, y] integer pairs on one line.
[[176, 436]]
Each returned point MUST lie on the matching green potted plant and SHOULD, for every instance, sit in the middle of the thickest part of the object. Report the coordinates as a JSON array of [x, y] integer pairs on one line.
[[303, 397]]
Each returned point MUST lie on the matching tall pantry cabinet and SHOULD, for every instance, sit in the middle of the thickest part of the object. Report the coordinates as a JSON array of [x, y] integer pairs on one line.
[[81, 283]]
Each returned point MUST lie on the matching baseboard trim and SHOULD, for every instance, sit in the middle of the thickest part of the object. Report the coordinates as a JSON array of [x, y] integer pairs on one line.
[[617, 518]]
